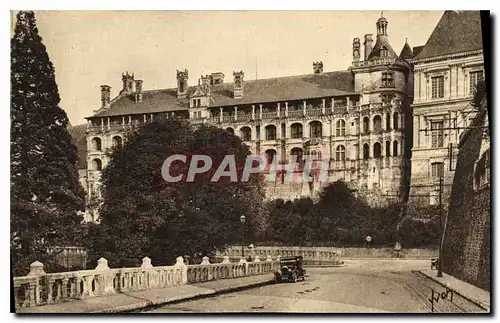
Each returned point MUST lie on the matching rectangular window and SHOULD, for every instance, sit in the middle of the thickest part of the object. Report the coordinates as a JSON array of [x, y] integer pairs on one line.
[[437, 170], [474, 77], [437, 134], [387, 79], [438, 87]]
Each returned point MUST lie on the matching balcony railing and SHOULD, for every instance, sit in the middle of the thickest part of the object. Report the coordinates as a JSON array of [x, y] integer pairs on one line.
[[314, 112], [295, 113], [227, 118], [243, 117], [380, 61], [269, 115]]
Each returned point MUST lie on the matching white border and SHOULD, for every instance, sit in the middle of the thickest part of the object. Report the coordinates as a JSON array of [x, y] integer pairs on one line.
[[186, 5]]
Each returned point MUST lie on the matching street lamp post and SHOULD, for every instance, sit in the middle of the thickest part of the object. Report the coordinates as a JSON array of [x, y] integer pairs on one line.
[[242, 220]]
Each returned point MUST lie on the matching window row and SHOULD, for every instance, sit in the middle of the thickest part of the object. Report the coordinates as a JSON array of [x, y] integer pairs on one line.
[[377, 149], [96, 143], [340, 152], [437, 84], [316, 128]]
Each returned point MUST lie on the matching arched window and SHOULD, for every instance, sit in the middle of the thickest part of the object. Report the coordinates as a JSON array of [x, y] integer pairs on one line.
[[340, 153], [340, 129], [96, 144], [388, 121], [96, 164], [377, 123], [316, 129], [366, 151], [377, 150], [366, 124], [387, 148], [296, 130], [117, 141], [314, 155], [270, 154], [270, 132], [395, 122], [230, 130], [299, 153], [246, 133], [395, 148]]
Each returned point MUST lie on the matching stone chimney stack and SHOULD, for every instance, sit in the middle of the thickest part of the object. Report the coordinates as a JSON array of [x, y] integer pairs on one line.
[[238, 84], [182, 83], [217, 78], [368, 45], [318, 67], [128, 83], [138, 91], [105, 95], [206, 82], [356, 49]]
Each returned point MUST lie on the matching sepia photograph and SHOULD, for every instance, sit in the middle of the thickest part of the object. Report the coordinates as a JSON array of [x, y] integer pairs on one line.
[[232, 161]]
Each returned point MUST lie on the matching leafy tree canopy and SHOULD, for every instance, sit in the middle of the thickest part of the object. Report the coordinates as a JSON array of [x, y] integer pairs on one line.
[[45, 191], [144, 215]]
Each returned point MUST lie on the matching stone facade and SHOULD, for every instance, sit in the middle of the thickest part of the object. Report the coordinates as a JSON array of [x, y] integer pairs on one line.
[[444, 80], [355, 120]]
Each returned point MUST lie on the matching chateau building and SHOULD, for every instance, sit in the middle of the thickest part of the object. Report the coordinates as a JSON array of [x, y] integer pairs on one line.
[[356, 120], [446, 71]]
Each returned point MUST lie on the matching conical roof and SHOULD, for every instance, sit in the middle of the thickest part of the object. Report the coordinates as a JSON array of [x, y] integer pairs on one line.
[[406, 52]]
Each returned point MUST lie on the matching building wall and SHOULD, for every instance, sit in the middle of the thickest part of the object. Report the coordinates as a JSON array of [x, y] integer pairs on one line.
[[467, 237], [452, 109]]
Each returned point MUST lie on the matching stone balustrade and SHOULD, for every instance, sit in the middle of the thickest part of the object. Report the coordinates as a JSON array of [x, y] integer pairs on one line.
[[330, 255], [310, 254], [39, 288]]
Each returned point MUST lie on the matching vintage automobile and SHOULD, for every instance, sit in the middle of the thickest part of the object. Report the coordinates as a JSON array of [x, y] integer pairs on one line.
[[291, 269]]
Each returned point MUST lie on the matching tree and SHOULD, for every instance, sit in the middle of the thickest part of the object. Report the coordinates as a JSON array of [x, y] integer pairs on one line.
[[144, 215], [45, 191]]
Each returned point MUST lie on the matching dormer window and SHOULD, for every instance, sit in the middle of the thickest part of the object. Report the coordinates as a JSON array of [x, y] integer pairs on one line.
[[383, 51]]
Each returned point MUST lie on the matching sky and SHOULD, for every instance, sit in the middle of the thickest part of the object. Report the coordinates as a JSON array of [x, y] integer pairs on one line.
[[91, 48]]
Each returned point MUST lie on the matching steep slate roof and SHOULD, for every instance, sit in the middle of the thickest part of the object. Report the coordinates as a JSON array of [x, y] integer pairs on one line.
[[406, 52], [290, 88], [78, 136], [382, 41], [456, 32], [417, 50]]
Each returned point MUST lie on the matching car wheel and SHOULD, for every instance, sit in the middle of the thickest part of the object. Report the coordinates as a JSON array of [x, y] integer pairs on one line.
[[294, 277]]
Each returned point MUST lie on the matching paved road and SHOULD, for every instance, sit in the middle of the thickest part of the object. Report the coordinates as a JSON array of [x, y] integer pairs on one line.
[[363, 286]]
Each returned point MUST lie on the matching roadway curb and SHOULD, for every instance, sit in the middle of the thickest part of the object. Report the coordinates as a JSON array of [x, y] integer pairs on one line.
[[147, 305], [467, 297]]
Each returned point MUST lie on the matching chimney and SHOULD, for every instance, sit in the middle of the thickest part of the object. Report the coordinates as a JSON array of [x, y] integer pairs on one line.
[[205, 80], [105, 95], [368, 45], [238, 84], [217, 78], [182, 83], [138, 91], [206, 83], [356, 49], [128, 83], [318, 67]]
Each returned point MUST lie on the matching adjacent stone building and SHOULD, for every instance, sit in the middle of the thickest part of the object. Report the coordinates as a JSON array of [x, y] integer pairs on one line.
[[446, 71], [356, 120]]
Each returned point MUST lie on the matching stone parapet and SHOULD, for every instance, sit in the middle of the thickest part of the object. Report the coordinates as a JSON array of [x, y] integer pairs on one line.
[[39, 288]]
